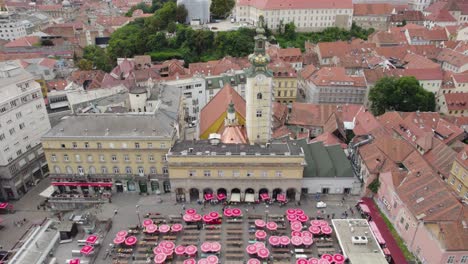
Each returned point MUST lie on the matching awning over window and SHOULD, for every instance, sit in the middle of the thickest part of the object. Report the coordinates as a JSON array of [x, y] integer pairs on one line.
[[376, 232], [364, 208], [78, 184], [235, 197], [47, 192], [249, 198]]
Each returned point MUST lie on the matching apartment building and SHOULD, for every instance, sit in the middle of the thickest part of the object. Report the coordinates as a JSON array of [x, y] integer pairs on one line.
[[458, 180], [284, 82], [23, 121], [10, 27], [193, 91], [306, 15]]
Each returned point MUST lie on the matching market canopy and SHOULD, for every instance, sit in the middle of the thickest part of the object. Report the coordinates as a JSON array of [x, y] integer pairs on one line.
[[249, 198], [235, 197]]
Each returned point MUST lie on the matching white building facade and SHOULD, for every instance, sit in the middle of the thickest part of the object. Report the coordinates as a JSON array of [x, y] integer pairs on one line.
[[193, 94], [10, 27], [23, 121]]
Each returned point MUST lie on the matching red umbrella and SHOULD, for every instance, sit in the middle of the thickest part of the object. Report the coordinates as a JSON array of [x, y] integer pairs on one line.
[[86, 250], [221, 196], [74, 261], [271, 226], [236, 212], [160, 258], [291, 217], [130, 241], [158, 250], [119, 240], [91, 239], [284, 240], [253, 261], [307, 241], [215, 246], [315, 223], [214, 215], [259, 245], [190, 211], [147, 222], [251, 249], [302, 261], [306, 234], [260, 223], [227, 212], [190, 261], [263, 253], [164, 228], [207, 218], [264, 196], [191, 250], [274, 240], [169, 245], [205, 247], [176, 227], [179, 250], [327, 257], [167, 251], [296, 241], [313, 261], [122, 233], [323, 223], [212, 259], [188, 218], [196, 217], [323, 261], [338, 258], [151, 228], [202, 261], [281, 198], [291, 211], [314, 230], [208, 196], [303, 218], [260, 234], [326, 230], [296, 226], [299, 212], [296, 233]]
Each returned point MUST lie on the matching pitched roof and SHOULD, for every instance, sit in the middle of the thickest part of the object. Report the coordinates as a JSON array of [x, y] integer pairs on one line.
[[452, 57], [297, 4], [365, 123], [440, 157], [441, 16], [27, 41], [234, 135], [340, 48], [49, 63], [218, 67], [460, 77], [310, 114], [307, 71], [327, 76], [372, 9], [218, 105], [415, 61], [407, 15], [425, 74], [329, 139], [456, 101]]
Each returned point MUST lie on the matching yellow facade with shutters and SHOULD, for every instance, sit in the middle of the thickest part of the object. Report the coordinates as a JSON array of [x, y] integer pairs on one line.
[[458, 179], [285, 89]]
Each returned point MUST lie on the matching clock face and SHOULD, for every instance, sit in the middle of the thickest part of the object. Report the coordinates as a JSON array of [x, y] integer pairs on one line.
[[260, 77]]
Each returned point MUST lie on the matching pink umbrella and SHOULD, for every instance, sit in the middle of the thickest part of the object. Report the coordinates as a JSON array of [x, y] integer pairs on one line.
[[206, 247], [303, 218], [284, 240], [130, 241], [122, 233], [307, 241], [164, 228], [214, 215], [296, 233], [91, 239], [215, 246], [207, 218], [221, 196], [196, 217], [169, 245], [323, 223], [314, 230], [271, 226], [157, 250], [86, 250], [212, 259], [291, 217], [327, 257], [260, 234], [274, 240], [315, 223], [202, 261], [326, 230], [176, 227], [188, 218], [296, 226], [190, 250], [74, 261], [147, 222], [313, 261], [151, 228], [306, 234], [259, 245], [260, 223], [179, 250], [291, 211], [281, 198], [167, 251], [323, 261], [228, 212], [160, 258], [253, 261], [296, 241], [264, 196], [338, 258], [190, 261], [263, 253], [190, 211], [299, 212], [251, 249], [208, 196], [236, 212], [302, 261]]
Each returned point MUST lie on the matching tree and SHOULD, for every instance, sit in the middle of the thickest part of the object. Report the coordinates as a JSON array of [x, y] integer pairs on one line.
[[374, 185], [98, 58], [157, 41], [85, 65], [181, 14], [290, 31], [171, 27], [221, 8], [400, 94]]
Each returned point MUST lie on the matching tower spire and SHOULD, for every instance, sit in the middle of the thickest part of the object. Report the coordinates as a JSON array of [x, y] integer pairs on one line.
[[259, 59]]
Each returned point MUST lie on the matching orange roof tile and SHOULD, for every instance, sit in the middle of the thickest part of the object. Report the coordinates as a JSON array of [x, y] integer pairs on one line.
[[27, 41], [415, 61], [327, 76], [456, 101], [372, 9], [329, 139], [298, 4]]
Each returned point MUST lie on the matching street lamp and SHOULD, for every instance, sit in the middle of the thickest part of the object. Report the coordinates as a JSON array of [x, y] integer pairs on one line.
[[138, 213]]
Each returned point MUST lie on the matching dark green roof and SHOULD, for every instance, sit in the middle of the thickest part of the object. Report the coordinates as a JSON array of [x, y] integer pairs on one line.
[[218, 82]]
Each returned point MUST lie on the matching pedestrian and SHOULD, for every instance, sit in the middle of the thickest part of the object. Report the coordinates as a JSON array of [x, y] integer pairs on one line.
[[333, 216], [38, 207], [183, 207], [328, 216], [352, 211]]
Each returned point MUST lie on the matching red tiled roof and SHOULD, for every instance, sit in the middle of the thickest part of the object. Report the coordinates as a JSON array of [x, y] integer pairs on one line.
[[340, 48], [425, 74], [282, 69], [372, 9], [57, 85], [452, 57], [390, 119], [460, 77], [307, 71], [327, 76], [407, 15], [49, 63], [218, 106], [462, 157], [290, 54], [113, 21], [441, 16], [234, 135], [365, 123], [281, 132], [310, 114], [415, 61], [297, 4], [280, 113], [329, 139], [218, 66], [456, 101], [27, 41]]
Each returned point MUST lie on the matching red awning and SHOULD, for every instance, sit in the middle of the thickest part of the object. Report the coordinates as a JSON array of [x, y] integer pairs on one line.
[[89, 184], [386, 251], [376, 232], [364, 208], [3, 205]]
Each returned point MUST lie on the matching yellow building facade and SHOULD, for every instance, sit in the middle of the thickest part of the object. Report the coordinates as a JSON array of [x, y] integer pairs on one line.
[[458, 179], [285, 89], [201, 167]]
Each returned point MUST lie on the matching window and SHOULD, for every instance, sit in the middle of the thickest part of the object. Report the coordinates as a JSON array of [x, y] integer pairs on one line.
[[406, 226], [19, 152], [137, 145], [192, 173], [99, 145], [153, 170], [12, 131], [220, 173], [259, 113], [451, 259], [126, 158], [141, 170], [264, 173], [65, 157], [53, 157], [278, 173], [77, 158], [163, 145], [250, 173], [74, 145], [150, 145], [207, 173], [138, 158], [151, 158], [2, 136], [101, 158], [452, 180], [18, 115], [235, 173], [114, 158], [459, 187], [128, 170], [21, 126], [259, 96], [402, 220], [80, 170], [464, 259], [116, 169], [165, 170], [103, 170], [90, 158]]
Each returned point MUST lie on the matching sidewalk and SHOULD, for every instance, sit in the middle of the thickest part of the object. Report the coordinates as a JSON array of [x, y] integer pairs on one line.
[[392, 245]]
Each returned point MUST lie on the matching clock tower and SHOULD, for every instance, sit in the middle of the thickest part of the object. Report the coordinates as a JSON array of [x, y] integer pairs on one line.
[[259, 91]]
